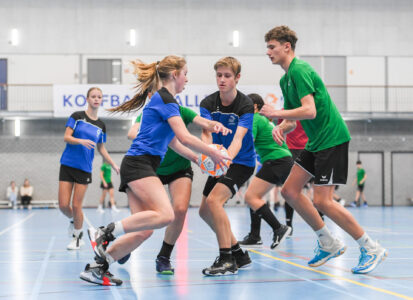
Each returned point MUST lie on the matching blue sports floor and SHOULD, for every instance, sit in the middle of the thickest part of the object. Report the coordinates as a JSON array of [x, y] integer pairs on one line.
[[34, 262]]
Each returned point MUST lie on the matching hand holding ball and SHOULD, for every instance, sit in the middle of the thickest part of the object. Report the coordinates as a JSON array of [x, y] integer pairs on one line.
[[208, 166]]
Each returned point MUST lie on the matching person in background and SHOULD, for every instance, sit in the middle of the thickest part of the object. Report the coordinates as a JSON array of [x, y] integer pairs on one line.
[[12, 194], [26, 194], [361, 179], [106, 186]]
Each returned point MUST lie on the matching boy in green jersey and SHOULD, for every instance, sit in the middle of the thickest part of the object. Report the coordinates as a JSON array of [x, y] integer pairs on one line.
[[361, 179], [106, 186], [325, 157], [276, 165], [176, 172]]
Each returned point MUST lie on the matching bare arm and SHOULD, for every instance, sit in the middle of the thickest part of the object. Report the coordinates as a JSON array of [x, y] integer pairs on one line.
[[193, 142], [102, 150], [306, 111], [211, 126], [70, 139], [364, 179], [103, 179], [183, 151], [280, 131], [133, 131], [236, 143], [206, 136]]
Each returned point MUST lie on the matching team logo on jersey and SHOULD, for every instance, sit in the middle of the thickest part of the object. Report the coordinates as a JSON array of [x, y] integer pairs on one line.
[[231, 120]]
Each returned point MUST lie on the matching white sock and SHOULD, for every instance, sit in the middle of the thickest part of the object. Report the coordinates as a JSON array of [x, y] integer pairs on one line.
[[118, 229], [109, 259], [113, 206], [324, 236], [77, 232], [366, 242]]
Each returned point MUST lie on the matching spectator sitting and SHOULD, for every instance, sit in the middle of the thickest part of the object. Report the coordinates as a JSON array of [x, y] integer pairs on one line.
[[12, 194], [26, 193]]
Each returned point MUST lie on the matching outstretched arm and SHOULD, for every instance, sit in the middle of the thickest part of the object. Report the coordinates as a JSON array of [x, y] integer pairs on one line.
[[182, 150], [306, 111], [211, 126]]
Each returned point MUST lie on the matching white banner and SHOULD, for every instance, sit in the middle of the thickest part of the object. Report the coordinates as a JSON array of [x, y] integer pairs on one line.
[[70, 98]]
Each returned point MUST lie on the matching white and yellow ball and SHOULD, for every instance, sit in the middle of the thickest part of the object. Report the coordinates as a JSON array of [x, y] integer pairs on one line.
[[208, 166]]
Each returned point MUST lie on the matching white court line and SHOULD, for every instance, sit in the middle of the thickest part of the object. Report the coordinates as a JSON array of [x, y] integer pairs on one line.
[[87, 220], [40, 276], [16, 224]]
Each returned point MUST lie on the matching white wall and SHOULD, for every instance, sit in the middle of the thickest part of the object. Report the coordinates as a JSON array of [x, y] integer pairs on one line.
[[358, 28]]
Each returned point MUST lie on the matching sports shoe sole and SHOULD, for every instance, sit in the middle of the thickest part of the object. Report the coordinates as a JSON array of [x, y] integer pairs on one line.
[[168, 272], [327, 258], [253, 246], [287, 233], [226, 273], [89, 278], [373, 266]]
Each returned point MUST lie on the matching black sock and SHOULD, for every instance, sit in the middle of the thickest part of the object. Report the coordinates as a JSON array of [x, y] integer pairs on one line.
[[321, 214], [289, 212], [166, 250], [266, 213], [255, 224], [236, 250], [225, 253]]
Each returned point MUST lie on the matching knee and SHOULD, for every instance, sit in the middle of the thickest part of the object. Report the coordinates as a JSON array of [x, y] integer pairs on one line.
[[289, 193], [63, 206], [180, 212], [167, 217], [210, 202], [77, 208]]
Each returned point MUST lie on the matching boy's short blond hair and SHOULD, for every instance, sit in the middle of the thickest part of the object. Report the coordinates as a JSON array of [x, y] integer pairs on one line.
[[229, 62], [282, 34]]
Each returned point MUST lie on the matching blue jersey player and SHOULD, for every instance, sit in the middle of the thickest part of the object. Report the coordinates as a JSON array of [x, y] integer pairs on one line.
[[161, 126], [84, 131], [236, 112]]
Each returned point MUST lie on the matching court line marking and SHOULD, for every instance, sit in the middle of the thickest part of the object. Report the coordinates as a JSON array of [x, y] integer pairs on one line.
[[87, 220], [40, 276], [312, 281], [16, 224], [333, 276]]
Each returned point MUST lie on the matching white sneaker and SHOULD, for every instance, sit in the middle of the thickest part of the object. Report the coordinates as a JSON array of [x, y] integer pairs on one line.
[[100, 209], [115, 209], [76, 243], [342, 202], [70, 229]]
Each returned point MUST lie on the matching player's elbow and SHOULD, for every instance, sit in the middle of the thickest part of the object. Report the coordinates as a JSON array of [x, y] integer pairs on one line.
[[311, 113]]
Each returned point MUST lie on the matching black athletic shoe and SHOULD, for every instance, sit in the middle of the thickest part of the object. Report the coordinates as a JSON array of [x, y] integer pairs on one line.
[[280, 235], [243, 260], [99, 274], [124, 259], [251, 241], [100, 239], [221, 267], [163, 266]]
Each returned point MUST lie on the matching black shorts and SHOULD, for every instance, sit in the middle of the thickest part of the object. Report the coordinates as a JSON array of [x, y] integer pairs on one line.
[[236, 176], [328, 166], [276, 171], [70, 174], [137, 167], [360, 187], [109, 186], [167, 179], [296, 153]]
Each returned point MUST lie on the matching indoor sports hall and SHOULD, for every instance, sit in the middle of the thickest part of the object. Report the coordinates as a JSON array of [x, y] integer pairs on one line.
[[55, 56]]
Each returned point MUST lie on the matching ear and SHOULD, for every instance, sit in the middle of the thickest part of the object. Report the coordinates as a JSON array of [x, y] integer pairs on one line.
[[237, 77]]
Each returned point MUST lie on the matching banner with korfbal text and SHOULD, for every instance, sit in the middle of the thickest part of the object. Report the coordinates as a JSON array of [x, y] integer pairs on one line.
[[70, 98]]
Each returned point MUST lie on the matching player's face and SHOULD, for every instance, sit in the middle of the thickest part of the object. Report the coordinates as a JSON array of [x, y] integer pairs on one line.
[[226, 79], [95, 98], [276, 51], [181, 79]]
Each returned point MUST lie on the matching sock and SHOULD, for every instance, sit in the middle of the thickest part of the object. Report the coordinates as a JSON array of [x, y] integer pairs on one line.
[[321, 214], [255, 224], [236, 250], [366, 242], [289, 212], [109, 258], [324, 236], [166, 250], [225, 253], [76, 232], [266, 213], [118, 230], [71, 221]]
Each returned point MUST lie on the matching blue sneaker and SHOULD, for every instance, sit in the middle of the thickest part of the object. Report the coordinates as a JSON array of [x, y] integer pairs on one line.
[[124, 259], [365, 204], [369, 260], [163, 266], [323, 254]]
